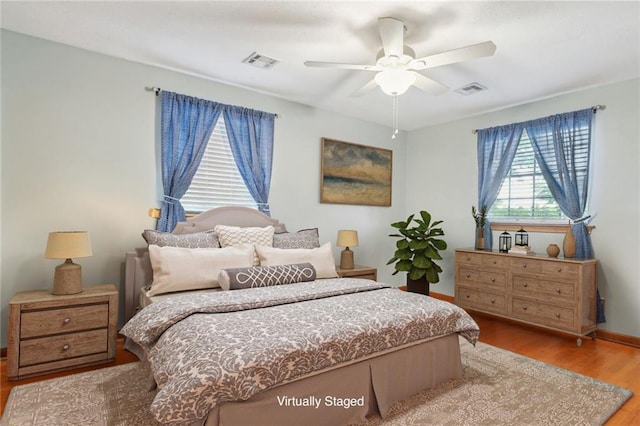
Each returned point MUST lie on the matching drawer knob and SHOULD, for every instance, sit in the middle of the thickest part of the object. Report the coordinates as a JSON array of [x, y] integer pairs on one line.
[[468, 258], [495, 261], [524, 266], [493, 300], [525, 307], [559, 269], [558, 291], [66, 347], [557, 315], [524, 284], [493, 280], [468, 275], [66, 320], [468, 295]]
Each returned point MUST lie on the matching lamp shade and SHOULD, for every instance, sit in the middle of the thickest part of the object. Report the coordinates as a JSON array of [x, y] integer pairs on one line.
[[68, 245], [395, 82], [347, 238]]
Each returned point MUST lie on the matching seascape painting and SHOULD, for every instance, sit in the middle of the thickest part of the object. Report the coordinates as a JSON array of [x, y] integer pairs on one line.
[[355, 174]]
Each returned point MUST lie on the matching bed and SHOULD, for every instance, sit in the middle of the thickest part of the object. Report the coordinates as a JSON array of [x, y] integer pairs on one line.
[[311, 352]]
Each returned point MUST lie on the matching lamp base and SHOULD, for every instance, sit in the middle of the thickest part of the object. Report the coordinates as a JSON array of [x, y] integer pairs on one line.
[[346, 259], [67, 279]]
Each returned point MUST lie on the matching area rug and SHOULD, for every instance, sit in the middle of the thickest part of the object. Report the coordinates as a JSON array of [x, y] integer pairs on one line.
[[497, 388]]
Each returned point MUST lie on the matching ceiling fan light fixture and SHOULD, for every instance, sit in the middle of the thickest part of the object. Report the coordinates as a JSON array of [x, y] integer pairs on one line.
[[395, 82]]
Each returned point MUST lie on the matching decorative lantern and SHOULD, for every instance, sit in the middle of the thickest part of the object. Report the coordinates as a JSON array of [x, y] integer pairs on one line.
[[504, 242], [522, 238]]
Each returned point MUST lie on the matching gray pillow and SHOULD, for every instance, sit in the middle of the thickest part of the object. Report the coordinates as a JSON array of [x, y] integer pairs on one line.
[[207, 239], [303, 239], [265, 276]]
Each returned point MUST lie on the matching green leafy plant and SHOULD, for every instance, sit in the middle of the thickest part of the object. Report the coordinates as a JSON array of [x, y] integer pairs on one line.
[[418, 246], [479, 216]]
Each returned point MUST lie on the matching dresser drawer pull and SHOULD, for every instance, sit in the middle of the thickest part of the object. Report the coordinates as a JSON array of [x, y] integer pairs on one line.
[[66, 347], [66, 320], [468, 275], [559, 269], [525, 307], [495, 261], [468, 258], [468, 295], [558, 291], [524, 284], [524, 266], [493, 301], [493, 280], [558, 316]]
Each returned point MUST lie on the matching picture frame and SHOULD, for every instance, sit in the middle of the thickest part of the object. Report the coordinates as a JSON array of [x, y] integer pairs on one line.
[[355, 174]]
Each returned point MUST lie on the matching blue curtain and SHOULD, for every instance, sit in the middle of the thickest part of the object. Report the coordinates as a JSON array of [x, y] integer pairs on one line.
[[250, 134], [497, 147], [557, 141], [186, 126]]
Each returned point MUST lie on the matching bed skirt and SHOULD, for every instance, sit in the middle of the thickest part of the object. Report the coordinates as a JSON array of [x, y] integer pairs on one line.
[[348, 394]]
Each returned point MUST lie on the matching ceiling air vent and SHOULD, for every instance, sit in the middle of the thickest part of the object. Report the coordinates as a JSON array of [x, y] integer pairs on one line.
[[470, 89], [260, 61]]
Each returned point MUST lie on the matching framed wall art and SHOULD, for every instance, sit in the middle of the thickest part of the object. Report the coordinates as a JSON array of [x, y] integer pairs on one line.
[[355, 174]]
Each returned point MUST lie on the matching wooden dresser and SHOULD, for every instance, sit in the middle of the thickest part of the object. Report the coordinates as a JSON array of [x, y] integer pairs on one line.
[[51, 333], [554, 293]]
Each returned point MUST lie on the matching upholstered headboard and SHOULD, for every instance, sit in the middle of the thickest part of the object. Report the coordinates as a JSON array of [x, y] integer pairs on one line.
[[138, 265]]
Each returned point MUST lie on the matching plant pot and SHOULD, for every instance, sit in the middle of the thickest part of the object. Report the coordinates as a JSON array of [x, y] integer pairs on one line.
[[479, 238], [420, 286]]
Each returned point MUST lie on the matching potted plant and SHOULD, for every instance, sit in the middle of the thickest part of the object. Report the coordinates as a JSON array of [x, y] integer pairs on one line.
[[416, 251], [481, 219]]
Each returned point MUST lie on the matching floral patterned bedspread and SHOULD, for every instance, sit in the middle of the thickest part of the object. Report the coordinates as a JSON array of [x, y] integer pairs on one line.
[[206, 349]]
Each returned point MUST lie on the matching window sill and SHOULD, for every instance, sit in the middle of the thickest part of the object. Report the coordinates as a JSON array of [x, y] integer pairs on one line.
[[533, 227]]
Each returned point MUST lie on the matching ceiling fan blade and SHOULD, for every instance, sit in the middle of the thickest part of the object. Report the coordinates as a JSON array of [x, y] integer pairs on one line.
[[428, 85], [371, 85], [392, 35], [342, 66], [452, 56]]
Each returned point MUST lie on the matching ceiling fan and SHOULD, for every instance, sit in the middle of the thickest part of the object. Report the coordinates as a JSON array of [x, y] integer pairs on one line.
[[396, 64]]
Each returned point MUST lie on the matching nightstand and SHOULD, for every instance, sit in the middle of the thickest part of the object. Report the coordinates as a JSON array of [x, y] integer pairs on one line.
[[358, 271], [51, 333]]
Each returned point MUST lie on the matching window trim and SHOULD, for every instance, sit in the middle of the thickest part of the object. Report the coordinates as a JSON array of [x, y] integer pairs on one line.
[[553, 228]]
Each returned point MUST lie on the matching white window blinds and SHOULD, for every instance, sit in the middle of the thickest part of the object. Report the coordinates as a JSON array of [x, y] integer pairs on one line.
[[524, 192], [217, 182]]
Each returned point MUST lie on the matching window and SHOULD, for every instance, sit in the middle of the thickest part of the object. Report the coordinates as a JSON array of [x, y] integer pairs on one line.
[[217, 182], [524, 193]]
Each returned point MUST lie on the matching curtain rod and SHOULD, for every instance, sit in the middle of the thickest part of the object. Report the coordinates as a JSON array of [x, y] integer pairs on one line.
[[594, 108], [157, 91]]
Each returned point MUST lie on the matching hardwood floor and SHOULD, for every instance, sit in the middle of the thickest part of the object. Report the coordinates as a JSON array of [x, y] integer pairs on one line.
[[610, 362]]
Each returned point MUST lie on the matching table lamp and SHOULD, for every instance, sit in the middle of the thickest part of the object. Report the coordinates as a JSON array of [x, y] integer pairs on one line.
[[67, 245], [347, 238]]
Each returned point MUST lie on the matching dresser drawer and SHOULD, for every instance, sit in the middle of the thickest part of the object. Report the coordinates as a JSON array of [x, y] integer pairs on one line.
[[480, 278], [471, 298], [469, 259], [533, 287], [544, 314], [54, 348], [561, 271], [64, 320], [522, 264]]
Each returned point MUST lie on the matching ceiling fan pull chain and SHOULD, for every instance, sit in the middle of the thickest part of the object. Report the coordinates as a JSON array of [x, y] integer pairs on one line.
[[395, 116]]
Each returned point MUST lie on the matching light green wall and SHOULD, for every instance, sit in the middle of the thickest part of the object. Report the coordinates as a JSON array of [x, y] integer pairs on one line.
[[79, 152], [443, 159]]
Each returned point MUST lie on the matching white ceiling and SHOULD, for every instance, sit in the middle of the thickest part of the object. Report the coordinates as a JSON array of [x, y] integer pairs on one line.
[[543, 48]]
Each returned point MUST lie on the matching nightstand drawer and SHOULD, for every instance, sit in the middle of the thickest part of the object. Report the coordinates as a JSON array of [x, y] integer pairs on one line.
[[48, 349], [55, 321]]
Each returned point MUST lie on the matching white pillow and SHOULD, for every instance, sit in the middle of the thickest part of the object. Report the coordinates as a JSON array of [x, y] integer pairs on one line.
[[321, 258], [230, 236], [180, 269]]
